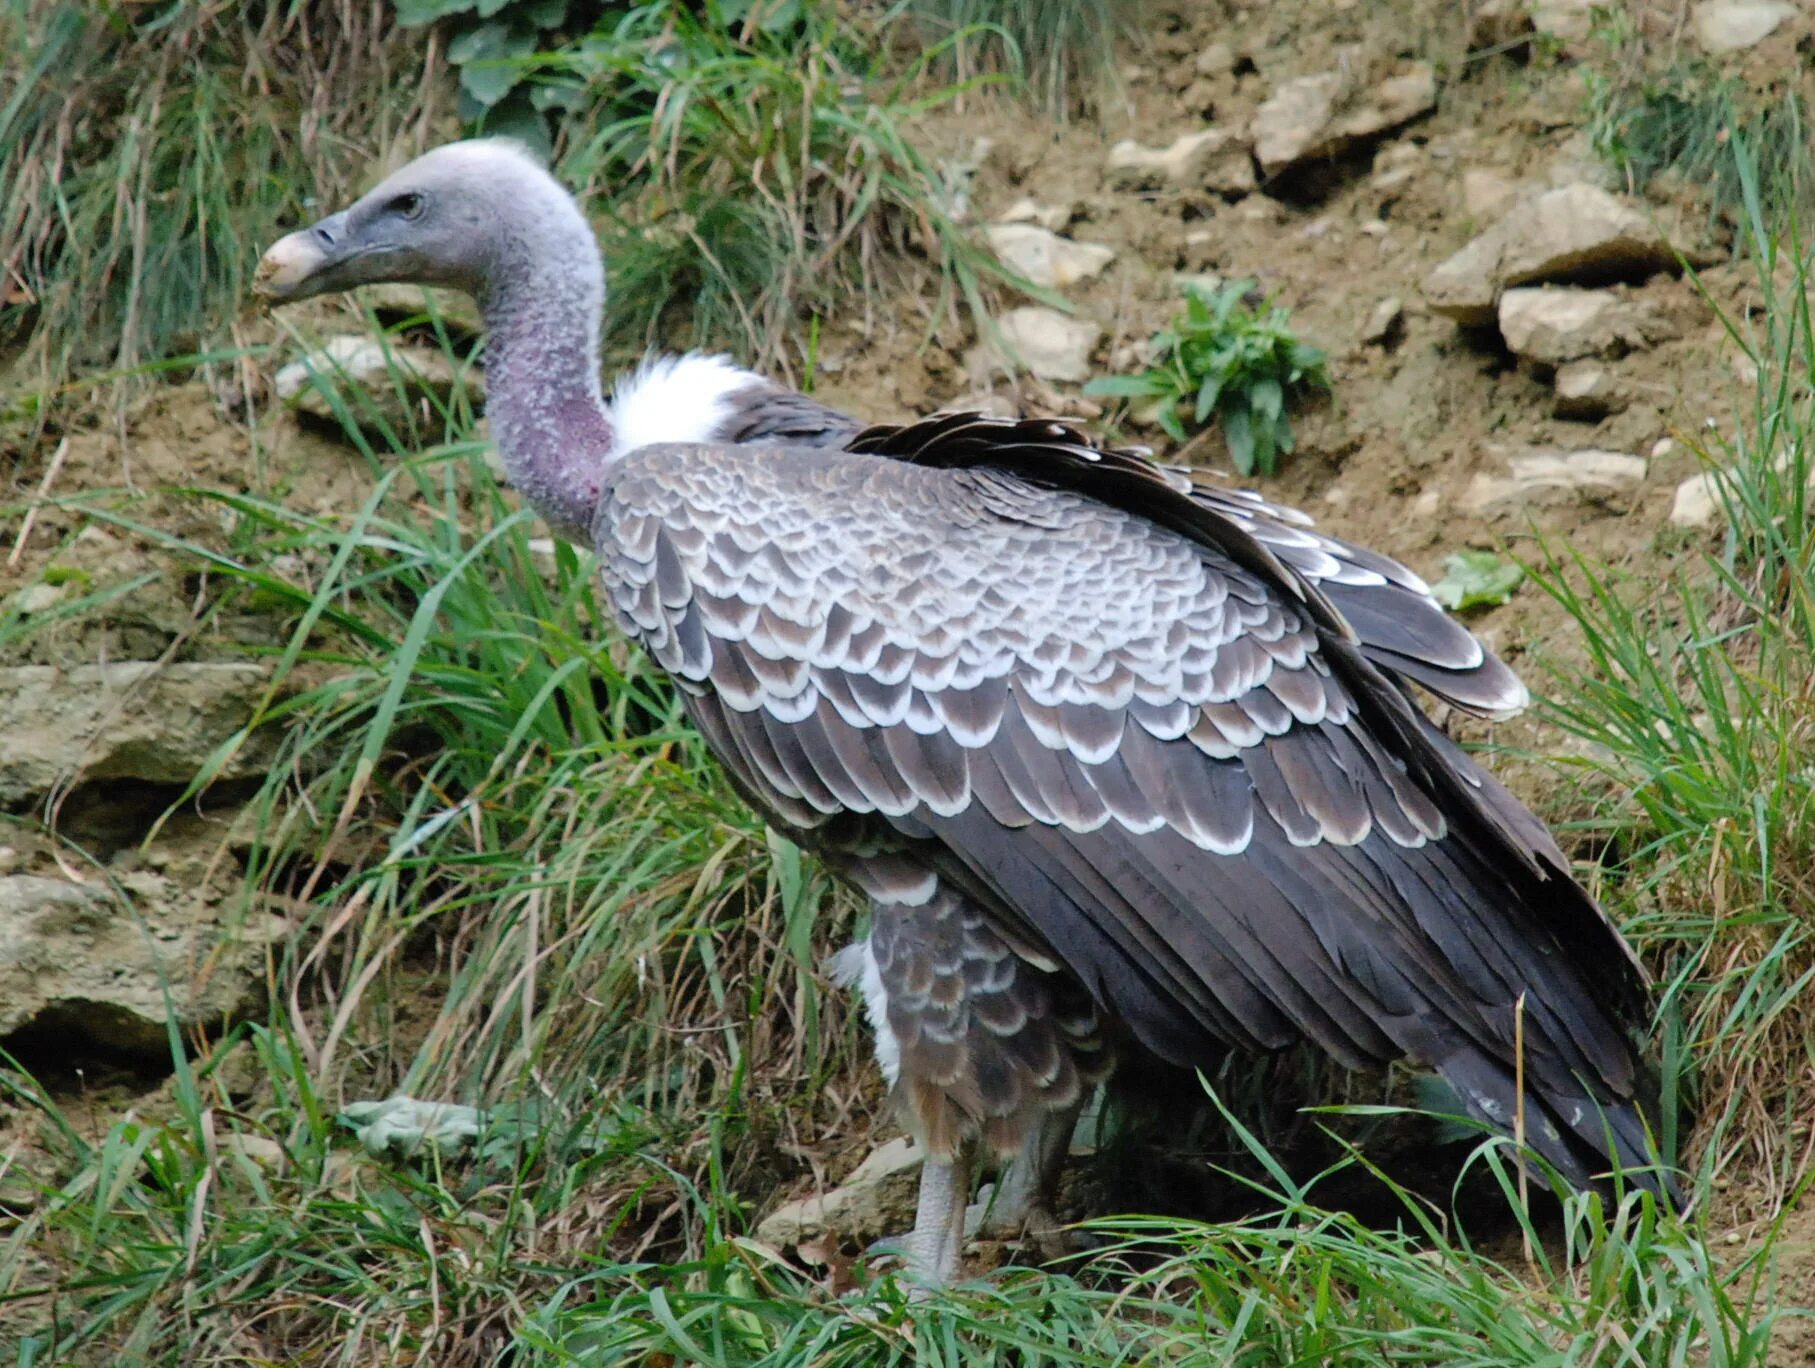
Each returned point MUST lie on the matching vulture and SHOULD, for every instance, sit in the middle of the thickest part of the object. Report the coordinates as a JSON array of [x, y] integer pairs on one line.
[[1122, 762]]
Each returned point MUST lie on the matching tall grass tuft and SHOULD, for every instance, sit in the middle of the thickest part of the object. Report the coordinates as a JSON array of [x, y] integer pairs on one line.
[[1698, 708], [1064, 49], [150, 152], [755, 177], [518, 885]]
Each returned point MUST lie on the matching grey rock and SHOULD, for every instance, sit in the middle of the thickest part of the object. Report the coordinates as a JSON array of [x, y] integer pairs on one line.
[[1216, 60], [1313, 116], [1384, 321], [1051, 217], [1562, 234], [1722, 28], [1050, 345], [1697, 502], [1043, 257], [1540, 476], [72, 960], [1587, 391], [1210, 159], [877, 1199], [131, 720], [1551, 324], [372, 380]]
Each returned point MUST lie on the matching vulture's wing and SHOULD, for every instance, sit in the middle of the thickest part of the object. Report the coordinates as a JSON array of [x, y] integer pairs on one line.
[[770, 413], [1156, 751], [1395, 619]]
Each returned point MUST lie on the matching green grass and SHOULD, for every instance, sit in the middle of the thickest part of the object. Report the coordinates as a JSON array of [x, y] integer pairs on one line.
[[754, 181], [1699, 712], [1676, 130], [478, 810], [751, 168], [150, 153], [1065, 50]]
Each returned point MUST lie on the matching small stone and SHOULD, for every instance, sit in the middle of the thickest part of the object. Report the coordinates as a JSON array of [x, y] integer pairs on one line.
[[1051, 217], [1387, 319], [391, 376], [1043, 257], [1210, 159], [1395, 167], [1551, 324], [1216, 60], [1568, 22], [1662, 447], [1541, 475], [1722, 28], [1586, 391], [1050, 345], [1696, 502], [35, 598]]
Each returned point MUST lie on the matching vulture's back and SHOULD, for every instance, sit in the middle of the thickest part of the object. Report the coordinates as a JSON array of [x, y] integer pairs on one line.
[[1149, 748]]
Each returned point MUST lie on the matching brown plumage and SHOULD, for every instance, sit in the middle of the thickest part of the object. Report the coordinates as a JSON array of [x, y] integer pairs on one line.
[[1114, 754]]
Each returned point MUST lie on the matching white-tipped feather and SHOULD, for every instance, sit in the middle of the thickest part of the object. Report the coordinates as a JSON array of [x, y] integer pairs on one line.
[[675, 399]]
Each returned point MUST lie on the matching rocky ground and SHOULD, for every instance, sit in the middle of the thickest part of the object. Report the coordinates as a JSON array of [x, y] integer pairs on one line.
[[1515, 351]]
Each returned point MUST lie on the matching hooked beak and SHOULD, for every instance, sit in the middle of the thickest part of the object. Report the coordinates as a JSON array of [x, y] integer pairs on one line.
[[308, 262]]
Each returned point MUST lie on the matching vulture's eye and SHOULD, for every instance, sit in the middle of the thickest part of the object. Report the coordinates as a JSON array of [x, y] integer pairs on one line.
[[408, 206]]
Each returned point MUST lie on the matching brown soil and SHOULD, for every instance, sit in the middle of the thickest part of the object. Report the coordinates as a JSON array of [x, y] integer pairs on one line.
[[1386, 463]]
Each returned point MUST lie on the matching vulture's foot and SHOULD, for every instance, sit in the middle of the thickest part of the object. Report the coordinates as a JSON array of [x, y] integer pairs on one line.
[[930, 1251], [1020, 1205]]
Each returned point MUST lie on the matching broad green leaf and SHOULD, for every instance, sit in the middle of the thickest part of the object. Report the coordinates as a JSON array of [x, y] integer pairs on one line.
[[1240, 436], [414, 13], [1207, 395], [1146, 386], [1267, 398], [487, 60], [1474, 579]]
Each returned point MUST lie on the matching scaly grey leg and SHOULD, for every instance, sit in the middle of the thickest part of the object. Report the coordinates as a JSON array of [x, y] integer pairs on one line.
[[1025, 1189], [938, 1235]]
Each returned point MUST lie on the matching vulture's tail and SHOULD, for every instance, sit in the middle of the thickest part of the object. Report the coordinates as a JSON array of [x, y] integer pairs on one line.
[[1583, 1139]]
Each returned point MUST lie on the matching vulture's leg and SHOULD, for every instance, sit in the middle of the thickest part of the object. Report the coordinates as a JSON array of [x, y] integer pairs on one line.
[[938, 1236], [985, 1044], [1022, 1203]]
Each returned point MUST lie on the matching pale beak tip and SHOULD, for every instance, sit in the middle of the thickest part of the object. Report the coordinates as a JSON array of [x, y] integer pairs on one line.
[[286, 265]]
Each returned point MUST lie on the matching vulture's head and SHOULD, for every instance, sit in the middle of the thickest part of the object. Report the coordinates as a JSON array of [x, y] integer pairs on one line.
[[461, 215]]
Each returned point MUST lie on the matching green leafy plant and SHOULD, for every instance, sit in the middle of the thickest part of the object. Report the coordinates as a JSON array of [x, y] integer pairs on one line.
[[492, 46], [1477, 579], [1230, 360]]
